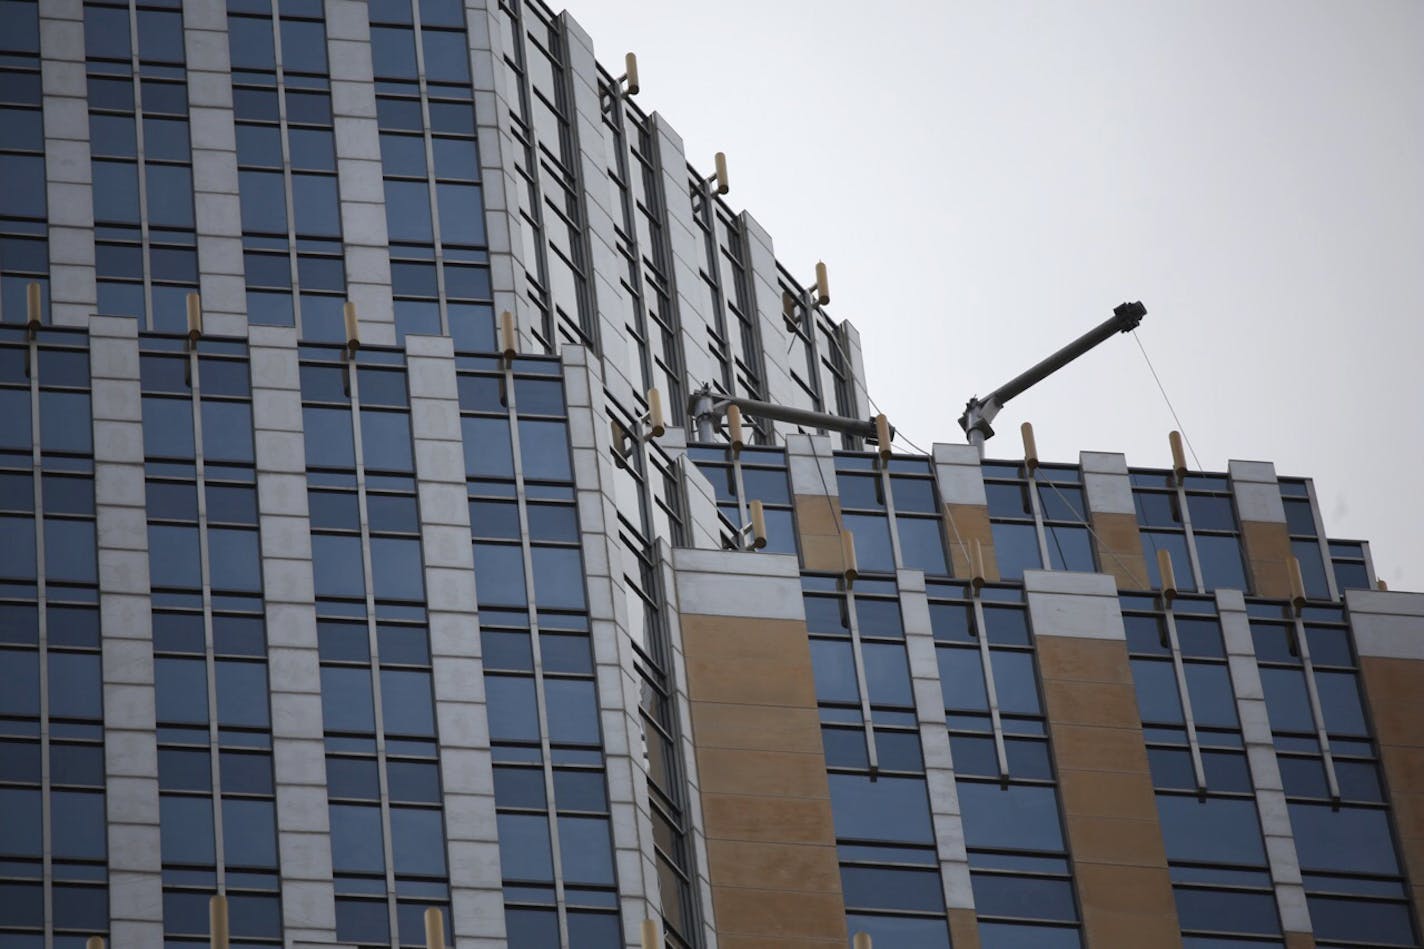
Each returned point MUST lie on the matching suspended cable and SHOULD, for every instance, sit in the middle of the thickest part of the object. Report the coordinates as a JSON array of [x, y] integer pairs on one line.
[[1166, 398]]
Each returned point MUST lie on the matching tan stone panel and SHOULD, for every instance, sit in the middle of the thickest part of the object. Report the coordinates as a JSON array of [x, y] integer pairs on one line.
[[1107, 794], [1115, 840], [818, 520], [1091, 703], [963, 929], [784, 684], [787, 915], [1300, 941], [1084, 660], [1394, 689], [1118, 542], [734, 941], [1268, 553], [777, 866], [1103, 930], [964, 524], [764, 773], [768, 819], [755, 727], [1091, 748], [742, 640], [1125, 891], [1404, 767]]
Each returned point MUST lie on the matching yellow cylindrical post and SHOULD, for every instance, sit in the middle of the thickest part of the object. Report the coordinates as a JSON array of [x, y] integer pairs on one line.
[[882, 437], [862, 941], [32, 304], [508, 339], [94, 942], [758, 512], [1168, 575], [1179, 457], [720, 160], [353, 327], [657, 422], [852, 570], [652, 935], [823, 284], [217, 918], [434, 929], [195, 317], [1297, 583], [630, 67], [735, 435], [976, 564], [1030, 446]]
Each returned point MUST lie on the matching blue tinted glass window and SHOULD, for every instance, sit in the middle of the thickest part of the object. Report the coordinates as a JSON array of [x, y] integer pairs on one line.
[[833, 664], [356, 845], [1016, 548], [1015, 683], [17, 548], [558, 577], [227, 431], [303, 46], [513, 714], [69, 551], [573, 711], [264, 201], [1070, 548], [922, 544], [586, 850], [544, 448], [249, 833], [1221, 564], [337, 565], [346, 699], [1017, 817], [872, 541], [65, 422], [170, 195], [1214, 830], [1213, 701], [462, 219], [418, 841], [186, 829], [888, 809], [396, 568], [499, 574], [524, 848], [487, 447], [21, 831], [182, 691], [887, 674], [1348, 840], [1176, 546], [961, 675], [408, 210], [242, 693], [1287, 702], [407, 705], [447, 59], [315, 205], [75, 690], [22, 187]]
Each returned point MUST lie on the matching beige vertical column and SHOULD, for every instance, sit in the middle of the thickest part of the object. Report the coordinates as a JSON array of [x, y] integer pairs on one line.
[[1389, 637], [1116, 538], [1263, 527], [289, 594], [1109, 807], [766, 803], [966, 507], [1265, 769], [466, 765], [939, 762], [69, 185], [818, 506], [217, 210], [125, 605]]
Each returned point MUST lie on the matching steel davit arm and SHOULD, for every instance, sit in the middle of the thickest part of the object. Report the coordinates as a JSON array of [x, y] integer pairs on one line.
[[979, 413]]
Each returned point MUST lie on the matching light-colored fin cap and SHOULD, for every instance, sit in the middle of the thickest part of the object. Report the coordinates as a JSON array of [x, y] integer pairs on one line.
[[1030, 446], [976, 564], [630, 67], [1179, 457], [217, 920], [508, 338], [94, 942], [32, 304], [195, 317], [852, 570], [1297, 583], [823, 284], [882, 435], [862, 941], [652, 935], [657, 423], [434, 929], [1168, 575], [353, 327], [720, 161], [735, 433], [758, 513]]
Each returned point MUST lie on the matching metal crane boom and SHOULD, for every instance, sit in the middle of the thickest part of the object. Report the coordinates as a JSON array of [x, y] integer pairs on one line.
[[979, 413]]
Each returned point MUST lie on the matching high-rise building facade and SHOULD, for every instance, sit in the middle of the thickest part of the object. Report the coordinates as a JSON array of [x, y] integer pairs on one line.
[[346, 612]]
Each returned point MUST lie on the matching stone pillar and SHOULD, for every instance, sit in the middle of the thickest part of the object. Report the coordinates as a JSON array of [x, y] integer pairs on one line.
[[1116, 537], [69, 181], [1389, 637], [766, 803], [298, 747], [1109, 806], [1263, 527], [125, 605], [216, 206], [966, 507], [1265, 769], [466, 768]]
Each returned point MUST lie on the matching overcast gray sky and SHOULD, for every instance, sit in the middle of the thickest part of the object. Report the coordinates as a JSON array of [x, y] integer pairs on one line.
[[987, 180]]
